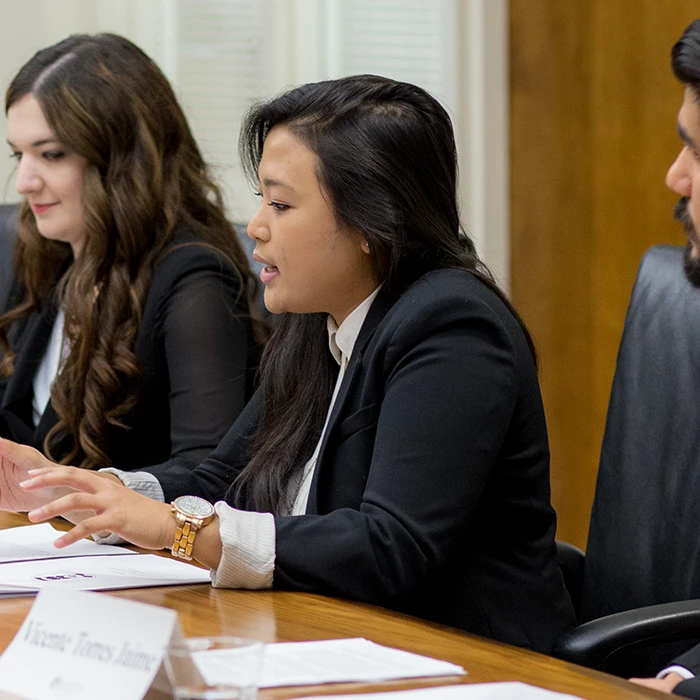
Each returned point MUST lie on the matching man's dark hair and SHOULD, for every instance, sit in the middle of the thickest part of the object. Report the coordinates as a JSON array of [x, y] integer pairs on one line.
[[685, 58]]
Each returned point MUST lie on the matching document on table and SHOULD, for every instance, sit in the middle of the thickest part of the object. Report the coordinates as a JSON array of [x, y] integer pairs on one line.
[[32, 542], [334, 661], [477, 691], [90, 573]]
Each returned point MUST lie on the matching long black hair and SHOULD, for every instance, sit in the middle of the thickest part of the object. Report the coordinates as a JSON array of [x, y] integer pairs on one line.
[[387, 161]]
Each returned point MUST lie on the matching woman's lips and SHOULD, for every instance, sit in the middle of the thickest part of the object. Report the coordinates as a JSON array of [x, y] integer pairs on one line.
[[268, 273], [42, 208]]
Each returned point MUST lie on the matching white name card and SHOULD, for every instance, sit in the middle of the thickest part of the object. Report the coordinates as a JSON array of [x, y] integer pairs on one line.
[[75, 645]]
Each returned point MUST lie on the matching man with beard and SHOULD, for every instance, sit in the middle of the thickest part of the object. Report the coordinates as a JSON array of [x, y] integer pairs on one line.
[[691, 259], [683, 677]]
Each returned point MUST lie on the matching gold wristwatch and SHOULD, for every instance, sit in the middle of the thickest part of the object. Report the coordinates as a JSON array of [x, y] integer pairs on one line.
[[191, 513]]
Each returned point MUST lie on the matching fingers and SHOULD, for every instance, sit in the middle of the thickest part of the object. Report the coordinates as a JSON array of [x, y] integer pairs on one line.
[[143, 521], [72, 477], [87, 527], [76, 502], [97, 505], [74, 493]]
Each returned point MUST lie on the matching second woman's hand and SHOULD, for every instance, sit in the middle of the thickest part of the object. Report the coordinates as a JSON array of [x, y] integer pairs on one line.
[[15, 462], [104, 505]]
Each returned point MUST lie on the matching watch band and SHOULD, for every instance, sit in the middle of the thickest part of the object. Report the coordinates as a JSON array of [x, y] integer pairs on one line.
[[187, 527]]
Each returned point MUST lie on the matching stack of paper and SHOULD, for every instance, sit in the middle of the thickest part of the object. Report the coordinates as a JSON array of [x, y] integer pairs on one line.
[[30, 562], [331, 661]]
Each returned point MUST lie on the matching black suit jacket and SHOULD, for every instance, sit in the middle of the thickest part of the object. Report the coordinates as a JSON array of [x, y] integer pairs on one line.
[[431, 491], [691, 661], [196, 352]]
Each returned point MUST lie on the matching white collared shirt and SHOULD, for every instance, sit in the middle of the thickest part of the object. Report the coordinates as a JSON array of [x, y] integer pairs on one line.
[[49, 368], [248, 538], [341, 342]]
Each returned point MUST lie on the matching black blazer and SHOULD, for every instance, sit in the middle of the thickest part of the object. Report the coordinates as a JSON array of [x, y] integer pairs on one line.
[[196, 350], [431, 491], [690, 660]]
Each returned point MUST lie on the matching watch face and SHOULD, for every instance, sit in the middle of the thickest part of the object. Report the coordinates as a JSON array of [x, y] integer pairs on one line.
[[194, 506]]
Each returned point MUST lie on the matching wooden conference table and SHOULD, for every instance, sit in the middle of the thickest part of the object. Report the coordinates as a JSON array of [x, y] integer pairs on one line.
[[282, 616]]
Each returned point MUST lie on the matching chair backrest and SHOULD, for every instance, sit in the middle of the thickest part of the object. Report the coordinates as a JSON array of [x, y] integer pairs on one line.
[[644, 540], [8, 233], [572, 563]]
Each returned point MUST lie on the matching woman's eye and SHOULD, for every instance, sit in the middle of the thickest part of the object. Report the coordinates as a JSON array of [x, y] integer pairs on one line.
[[16, 155], [53, 155], [277, 206]]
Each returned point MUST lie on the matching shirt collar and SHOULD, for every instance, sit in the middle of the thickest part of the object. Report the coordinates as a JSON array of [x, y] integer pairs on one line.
[[341, 339]]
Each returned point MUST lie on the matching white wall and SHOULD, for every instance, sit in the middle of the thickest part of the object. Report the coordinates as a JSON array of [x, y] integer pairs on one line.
[[483, 131], [25, 27]]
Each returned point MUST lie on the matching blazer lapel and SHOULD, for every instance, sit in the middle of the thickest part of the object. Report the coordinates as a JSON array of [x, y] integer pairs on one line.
[[20, 390], [376, 314]]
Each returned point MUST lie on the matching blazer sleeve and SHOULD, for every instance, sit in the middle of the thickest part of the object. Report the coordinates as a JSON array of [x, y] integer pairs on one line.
[[690, 660], [204, 331], [441, 415], [213, 477], [688, 689]]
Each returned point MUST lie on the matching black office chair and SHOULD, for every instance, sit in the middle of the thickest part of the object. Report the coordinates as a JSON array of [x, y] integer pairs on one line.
[[644, 542], [8, 233]]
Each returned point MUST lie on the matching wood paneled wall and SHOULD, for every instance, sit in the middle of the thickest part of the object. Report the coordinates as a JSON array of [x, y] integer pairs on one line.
[[593, 131]]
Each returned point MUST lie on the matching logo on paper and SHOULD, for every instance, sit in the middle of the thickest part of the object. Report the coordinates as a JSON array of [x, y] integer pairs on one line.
[[63, 577], [64, 688]]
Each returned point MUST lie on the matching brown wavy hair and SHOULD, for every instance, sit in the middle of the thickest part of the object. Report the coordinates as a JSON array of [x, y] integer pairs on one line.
[[107, 101]]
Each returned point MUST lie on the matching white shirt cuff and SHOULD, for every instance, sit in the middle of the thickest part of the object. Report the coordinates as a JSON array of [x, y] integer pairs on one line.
[[142, 482], [248, 549], [680, 670]]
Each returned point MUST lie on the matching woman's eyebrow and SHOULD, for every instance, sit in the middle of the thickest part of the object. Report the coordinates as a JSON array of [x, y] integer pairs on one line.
[[271, 182], [36, 144]]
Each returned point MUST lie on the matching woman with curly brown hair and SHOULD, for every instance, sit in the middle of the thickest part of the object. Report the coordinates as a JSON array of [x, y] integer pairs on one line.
[[130, 343]]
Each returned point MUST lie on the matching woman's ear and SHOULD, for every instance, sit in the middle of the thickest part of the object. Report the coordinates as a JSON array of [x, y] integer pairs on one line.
[[364, 245]]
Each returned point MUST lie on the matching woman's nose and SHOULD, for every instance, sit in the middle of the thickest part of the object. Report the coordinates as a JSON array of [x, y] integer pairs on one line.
[[257, 228], [27, 180]]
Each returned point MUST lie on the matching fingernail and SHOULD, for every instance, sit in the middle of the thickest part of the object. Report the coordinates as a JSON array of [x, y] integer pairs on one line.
[[32, 514], [27, 482]]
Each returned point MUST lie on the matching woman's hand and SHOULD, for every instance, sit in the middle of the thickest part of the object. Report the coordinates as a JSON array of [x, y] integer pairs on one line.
[[15, 463], [665, 684], [104, 505]]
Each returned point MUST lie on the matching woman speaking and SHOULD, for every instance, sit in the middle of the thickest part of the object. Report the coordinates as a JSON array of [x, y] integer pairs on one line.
[[396, 450]]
